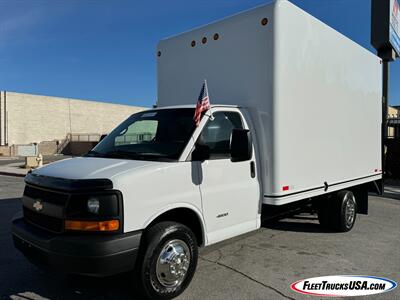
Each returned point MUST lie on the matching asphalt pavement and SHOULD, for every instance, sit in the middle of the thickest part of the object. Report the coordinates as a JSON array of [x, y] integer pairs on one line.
[[258, 265]]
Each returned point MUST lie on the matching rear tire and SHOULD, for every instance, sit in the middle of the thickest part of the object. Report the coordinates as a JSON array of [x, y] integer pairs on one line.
[[338, 211], [346, 211], [169, 260]]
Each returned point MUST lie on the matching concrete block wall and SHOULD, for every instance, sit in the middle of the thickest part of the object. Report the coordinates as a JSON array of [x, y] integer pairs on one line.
[[48, 148], [35, 118], [5, 151]]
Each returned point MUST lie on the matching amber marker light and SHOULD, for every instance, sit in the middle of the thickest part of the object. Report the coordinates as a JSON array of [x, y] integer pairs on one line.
[[111, 225]]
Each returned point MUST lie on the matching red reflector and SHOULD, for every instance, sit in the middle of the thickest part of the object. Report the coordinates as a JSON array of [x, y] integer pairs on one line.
[[285, 188]]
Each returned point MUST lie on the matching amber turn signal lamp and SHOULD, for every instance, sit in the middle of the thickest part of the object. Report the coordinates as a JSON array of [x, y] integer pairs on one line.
[[111, 225]]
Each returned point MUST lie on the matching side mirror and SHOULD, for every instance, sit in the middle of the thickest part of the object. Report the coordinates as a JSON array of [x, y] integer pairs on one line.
[[201, 152], [241, 145]]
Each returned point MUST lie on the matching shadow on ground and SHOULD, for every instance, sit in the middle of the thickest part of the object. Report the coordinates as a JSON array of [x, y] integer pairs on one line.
[[55, 286], [305, 222]]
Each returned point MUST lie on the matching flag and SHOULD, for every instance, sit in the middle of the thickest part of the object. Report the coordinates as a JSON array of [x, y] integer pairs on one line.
[[203, 104]]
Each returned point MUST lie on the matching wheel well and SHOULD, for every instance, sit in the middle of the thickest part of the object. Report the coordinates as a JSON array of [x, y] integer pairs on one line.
[[360, 193], [186, 217]]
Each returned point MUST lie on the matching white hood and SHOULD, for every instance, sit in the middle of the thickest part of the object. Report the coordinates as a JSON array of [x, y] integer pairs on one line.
[[91, 167]]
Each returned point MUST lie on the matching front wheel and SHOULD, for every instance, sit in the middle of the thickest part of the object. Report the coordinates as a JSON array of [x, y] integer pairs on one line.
[[169, 261]]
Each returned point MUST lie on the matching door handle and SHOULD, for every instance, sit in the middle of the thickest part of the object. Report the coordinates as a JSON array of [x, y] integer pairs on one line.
[[252, 169]]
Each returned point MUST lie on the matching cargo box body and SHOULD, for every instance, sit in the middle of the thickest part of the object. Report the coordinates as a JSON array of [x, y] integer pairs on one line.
[[312, 95]]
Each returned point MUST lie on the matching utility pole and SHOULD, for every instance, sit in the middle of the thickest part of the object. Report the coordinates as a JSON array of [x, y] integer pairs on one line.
[[385, 103], [385, 37]]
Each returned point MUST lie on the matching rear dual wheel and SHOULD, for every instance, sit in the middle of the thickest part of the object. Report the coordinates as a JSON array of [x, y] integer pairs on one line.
[[338, 211]]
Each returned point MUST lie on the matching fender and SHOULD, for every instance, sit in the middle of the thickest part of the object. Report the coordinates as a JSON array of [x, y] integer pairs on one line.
[[180, 205]]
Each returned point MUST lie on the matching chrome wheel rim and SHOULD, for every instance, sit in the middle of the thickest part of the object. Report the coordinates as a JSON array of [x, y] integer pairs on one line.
[[173, 263], [350, 210]]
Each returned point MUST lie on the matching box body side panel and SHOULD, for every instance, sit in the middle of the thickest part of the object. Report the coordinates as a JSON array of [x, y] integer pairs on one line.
[[238, 67], [313, 94], [327, 105]]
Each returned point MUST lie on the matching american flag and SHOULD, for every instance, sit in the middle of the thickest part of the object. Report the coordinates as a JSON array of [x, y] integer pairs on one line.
[[203, 103]]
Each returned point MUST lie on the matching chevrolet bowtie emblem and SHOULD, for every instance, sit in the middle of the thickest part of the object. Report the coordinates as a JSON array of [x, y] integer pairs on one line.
[[38, 205]]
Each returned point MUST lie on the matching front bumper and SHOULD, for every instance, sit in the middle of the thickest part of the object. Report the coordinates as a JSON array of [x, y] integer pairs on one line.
[[94, 255]]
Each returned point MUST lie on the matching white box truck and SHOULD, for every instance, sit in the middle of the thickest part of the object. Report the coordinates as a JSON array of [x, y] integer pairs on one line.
[[295, 118]]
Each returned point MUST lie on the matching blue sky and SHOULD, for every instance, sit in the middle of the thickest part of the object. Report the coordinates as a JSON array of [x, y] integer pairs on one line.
[[105, 50]]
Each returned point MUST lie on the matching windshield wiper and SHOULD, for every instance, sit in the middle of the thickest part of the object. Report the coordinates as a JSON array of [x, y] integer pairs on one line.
[[93, 153], [135, 155], [121, 153]]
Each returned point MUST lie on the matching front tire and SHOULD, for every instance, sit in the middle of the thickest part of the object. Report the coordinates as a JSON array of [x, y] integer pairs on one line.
[[169, 260]]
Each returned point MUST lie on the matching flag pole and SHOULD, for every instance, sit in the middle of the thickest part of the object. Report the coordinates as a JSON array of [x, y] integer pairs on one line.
[[210, 115]]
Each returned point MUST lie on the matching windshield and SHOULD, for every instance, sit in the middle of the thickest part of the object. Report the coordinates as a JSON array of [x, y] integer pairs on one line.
[[149, 135]]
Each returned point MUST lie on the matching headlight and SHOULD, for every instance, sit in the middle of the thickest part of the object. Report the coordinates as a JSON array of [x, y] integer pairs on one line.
[[100, 212], [93, 205]]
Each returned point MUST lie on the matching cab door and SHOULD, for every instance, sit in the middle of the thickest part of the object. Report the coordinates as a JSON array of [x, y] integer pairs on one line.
[[229, 190]]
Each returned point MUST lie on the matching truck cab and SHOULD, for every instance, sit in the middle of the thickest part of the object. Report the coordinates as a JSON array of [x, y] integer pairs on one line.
[[157, 180]]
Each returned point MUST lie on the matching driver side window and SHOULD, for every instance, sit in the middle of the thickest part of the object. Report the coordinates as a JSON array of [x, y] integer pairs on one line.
[[217, 133]]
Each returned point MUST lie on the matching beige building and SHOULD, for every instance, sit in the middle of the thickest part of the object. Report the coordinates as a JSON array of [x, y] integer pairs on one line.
[[26, 118], [393, 112]]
